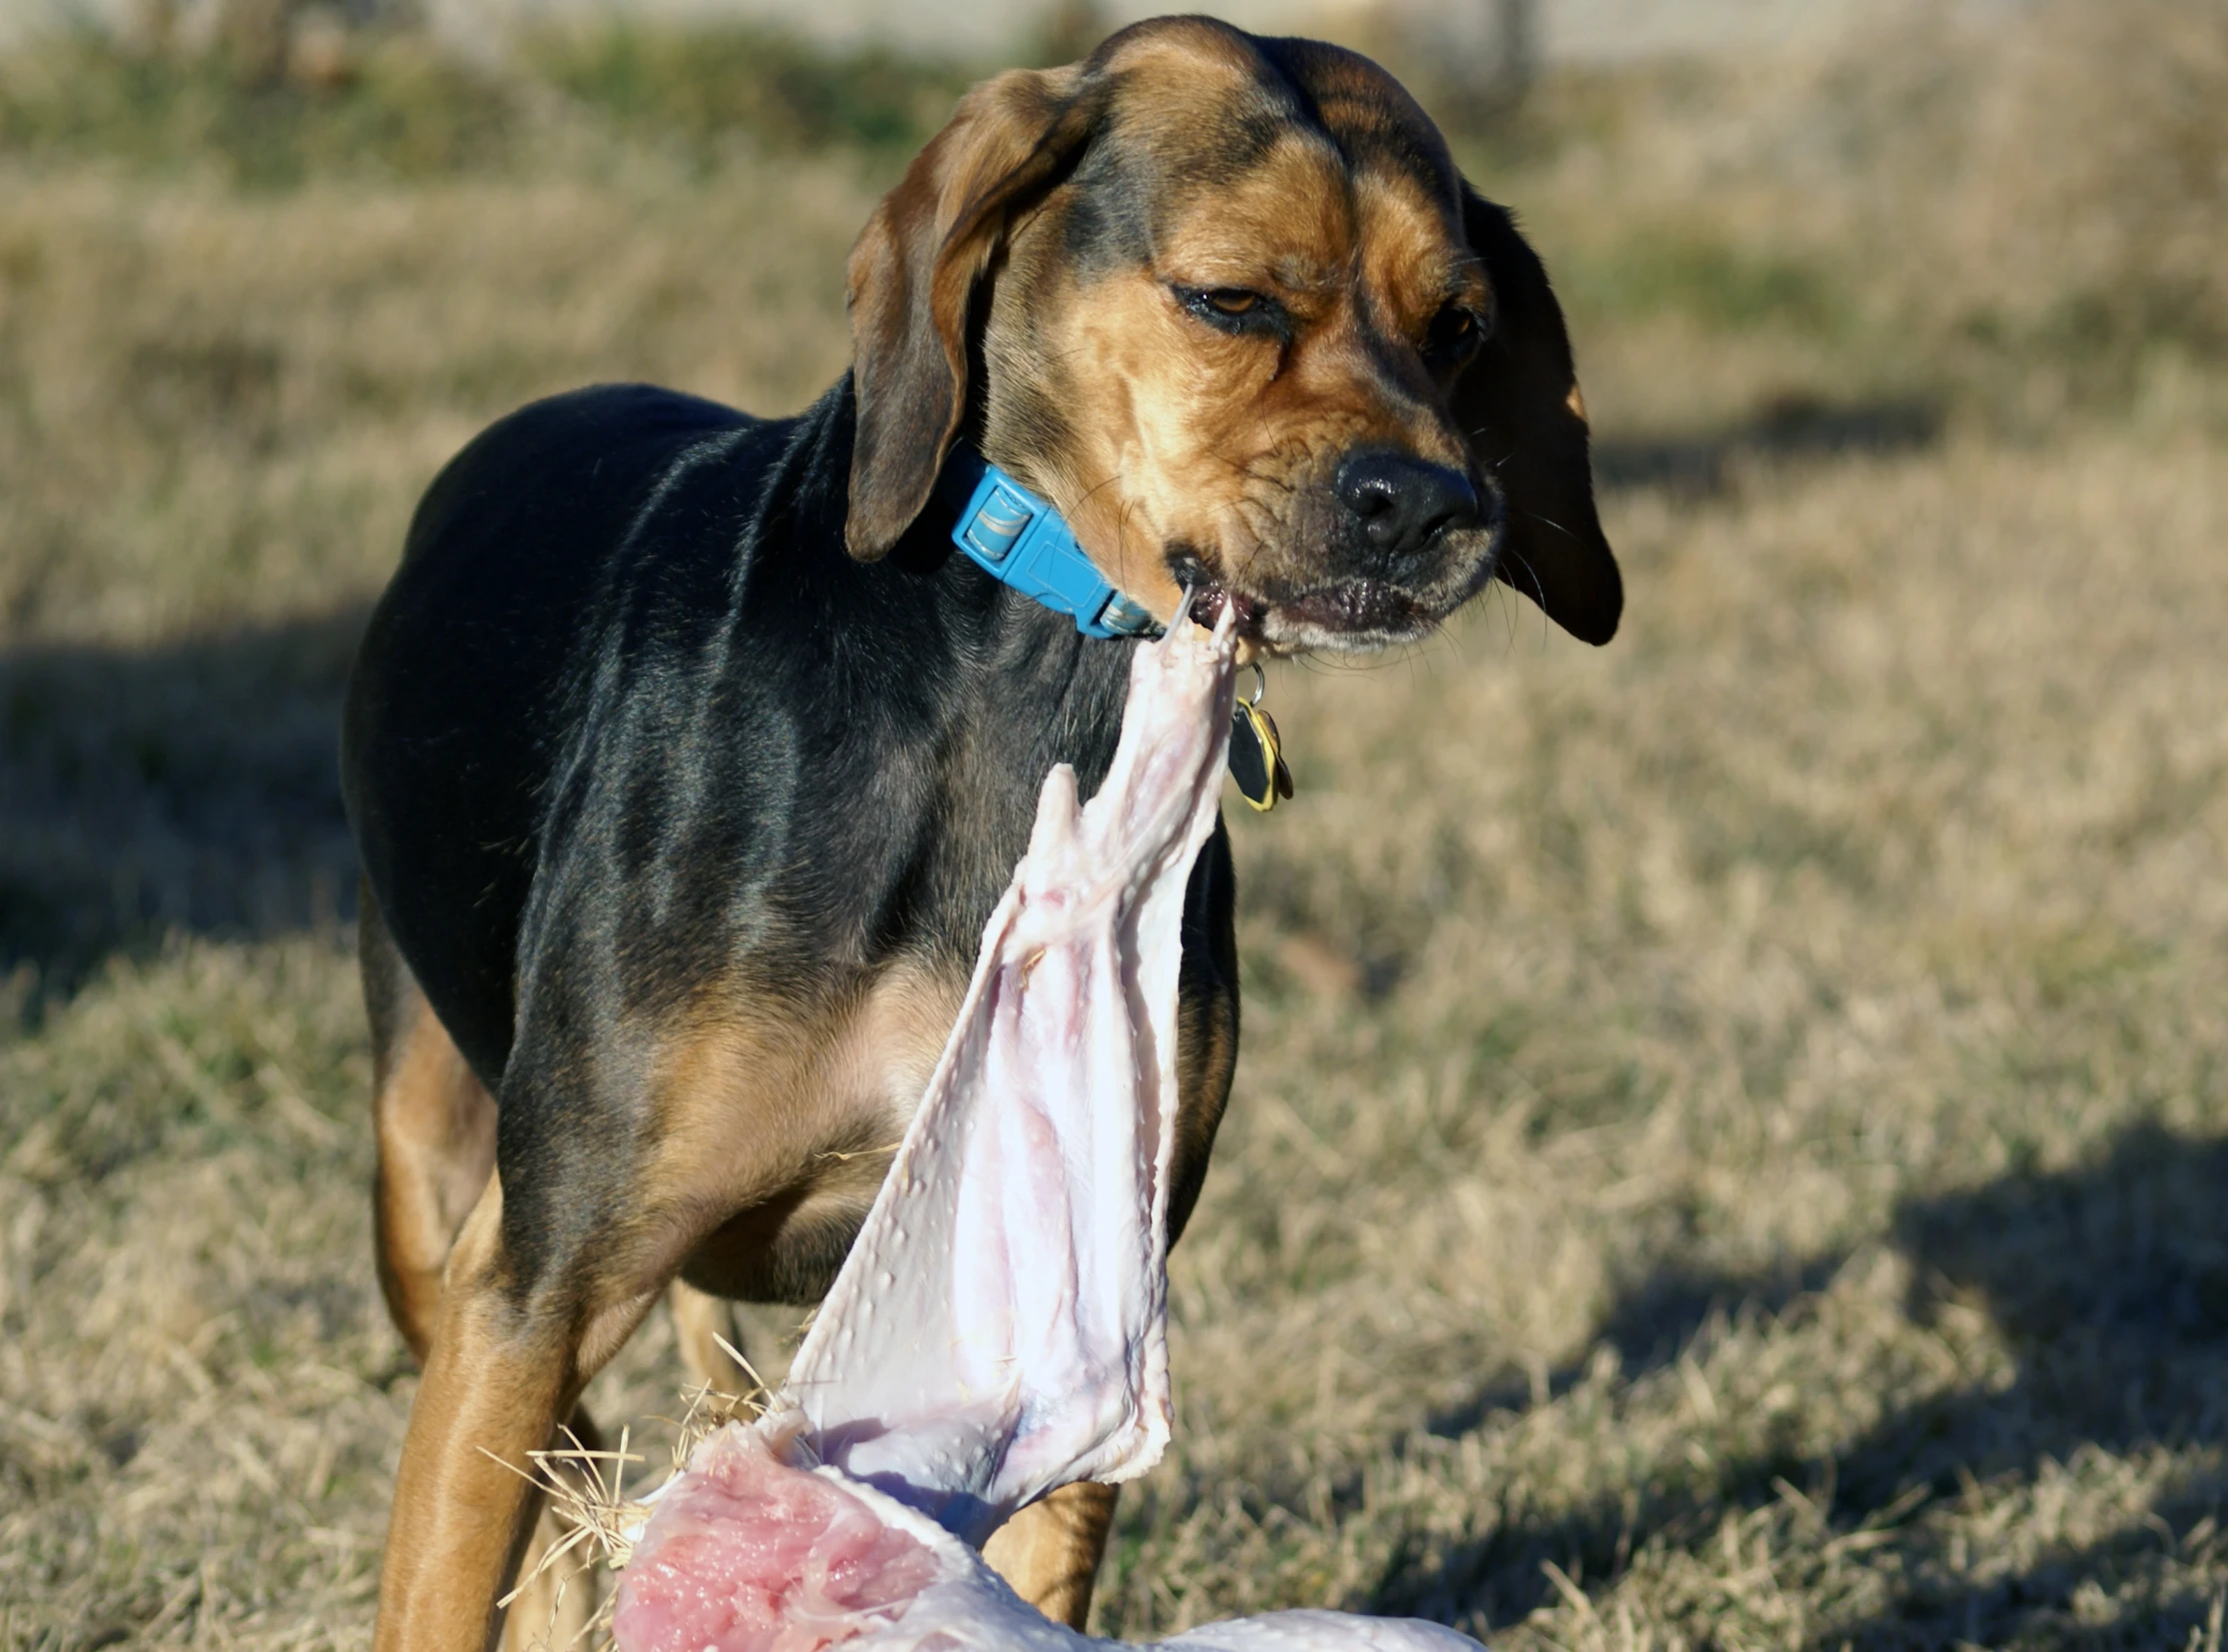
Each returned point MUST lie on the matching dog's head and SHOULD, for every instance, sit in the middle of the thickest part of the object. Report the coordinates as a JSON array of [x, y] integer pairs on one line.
[[1228, 305]]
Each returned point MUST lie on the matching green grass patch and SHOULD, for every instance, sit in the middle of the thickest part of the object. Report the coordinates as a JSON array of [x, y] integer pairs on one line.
[[707, 86], [395, 107], [1716, 282], [402, 111]]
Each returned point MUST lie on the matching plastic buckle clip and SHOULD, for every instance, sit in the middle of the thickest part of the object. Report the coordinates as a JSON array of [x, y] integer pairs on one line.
[[1021, 541]]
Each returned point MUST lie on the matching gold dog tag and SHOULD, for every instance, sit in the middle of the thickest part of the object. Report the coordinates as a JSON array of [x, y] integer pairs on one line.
[[1257, 753]]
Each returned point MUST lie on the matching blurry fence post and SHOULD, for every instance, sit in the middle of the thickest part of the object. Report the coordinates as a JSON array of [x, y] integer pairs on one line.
[[1481, 59], [1068, 30], [265, 41], [253, 35], [1515, 50]]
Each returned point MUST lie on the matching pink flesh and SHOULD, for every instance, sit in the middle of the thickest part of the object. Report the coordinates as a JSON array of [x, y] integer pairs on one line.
[[752, 1555], [999, 1328]]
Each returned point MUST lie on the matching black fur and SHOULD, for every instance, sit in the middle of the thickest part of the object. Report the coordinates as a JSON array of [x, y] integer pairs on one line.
[[630, 720]]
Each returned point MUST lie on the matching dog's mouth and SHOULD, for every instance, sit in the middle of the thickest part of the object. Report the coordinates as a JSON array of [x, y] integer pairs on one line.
[[1210, 601], [1343, 614], [1366, 611]]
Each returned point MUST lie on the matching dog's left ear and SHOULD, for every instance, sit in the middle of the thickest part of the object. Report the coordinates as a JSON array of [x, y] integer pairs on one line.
[[1518, 402], [913, 271]]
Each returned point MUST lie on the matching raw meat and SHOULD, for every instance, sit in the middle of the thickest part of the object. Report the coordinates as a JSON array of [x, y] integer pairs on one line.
[[999, 1328], [696, 1586], [753, 1553]]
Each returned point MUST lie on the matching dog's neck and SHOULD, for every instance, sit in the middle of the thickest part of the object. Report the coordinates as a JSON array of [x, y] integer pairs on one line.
[[1020, 540], [968, 690], [1037, 658]]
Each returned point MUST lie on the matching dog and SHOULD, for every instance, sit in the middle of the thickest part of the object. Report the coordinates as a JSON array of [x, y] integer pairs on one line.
[[687, 759]]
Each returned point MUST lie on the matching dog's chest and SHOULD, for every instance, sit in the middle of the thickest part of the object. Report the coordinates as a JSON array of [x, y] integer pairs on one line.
[[798, 1108]]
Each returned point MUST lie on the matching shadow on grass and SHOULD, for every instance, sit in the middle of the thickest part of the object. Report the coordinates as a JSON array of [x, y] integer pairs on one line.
[[2110, 1282], [1648, 1326], [1794, 426], [190, 786]]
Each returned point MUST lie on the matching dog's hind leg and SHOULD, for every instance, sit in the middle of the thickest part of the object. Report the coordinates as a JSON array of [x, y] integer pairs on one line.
[[435, 1123]]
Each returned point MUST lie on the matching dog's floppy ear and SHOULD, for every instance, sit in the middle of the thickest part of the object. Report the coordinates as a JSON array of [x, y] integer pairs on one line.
[[1518, 402], [913, 270]]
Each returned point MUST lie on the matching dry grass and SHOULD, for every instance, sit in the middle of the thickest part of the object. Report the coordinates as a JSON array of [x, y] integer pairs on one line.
[[2028, 219], [1730, 1142]]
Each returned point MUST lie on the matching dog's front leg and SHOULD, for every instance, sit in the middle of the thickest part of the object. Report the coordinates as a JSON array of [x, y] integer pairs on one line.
[[500, 1375]]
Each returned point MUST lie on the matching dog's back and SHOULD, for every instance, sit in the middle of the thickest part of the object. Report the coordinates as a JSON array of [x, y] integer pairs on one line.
[[469, 685]]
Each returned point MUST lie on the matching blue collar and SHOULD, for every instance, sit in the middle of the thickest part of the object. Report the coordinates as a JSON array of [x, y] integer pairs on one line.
[[1021, 541]]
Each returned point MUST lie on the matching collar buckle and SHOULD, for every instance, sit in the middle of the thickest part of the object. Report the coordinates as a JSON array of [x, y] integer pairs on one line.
[[1021, 541]]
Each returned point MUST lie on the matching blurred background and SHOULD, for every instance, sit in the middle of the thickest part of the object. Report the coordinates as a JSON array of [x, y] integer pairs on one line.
[[1731, 1148]]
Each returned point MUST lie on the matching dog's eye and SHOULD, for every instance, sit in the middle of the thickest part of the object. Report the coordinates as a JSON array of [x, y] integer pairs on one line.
[[1233, 308], [1455, 337]]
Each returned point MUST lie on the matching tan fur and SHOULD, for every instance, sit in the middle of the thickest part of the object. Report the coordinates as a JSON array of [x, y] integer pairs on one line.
[[910, 278], [491, 1394], [790, 1115], [435, 1123], [787, 1113], [1050, 1551], [495, 1388], [1186, 436], [556, 1601]]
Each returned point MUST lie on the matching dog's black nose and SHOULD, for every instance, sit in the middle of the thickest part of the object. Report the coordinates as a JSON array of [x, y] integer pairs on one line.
[[1403, 500]]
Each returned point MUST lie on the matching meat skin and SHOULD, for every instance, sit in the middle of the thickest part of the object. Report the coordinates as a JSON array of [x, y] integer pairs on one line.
[[999, 1328]]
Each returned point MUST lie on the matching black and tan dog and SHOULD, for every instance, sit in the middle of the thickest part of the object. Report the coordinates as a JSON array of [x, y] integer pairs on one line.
[[686, 760]]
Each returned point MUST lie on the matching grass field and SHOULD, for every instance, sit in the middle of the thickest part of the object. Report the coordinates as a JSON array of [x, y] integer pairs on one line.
[[1731, 1146]]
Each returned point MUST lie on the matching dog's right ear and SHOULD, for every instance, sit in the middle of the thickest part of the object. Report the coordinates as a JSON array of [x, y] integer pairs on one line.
[[912, 275]]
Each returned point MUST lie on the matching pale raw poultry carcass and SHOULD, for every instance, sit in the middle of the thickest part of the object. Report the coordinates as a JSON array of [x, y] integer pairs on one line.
[[999, 1328]]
